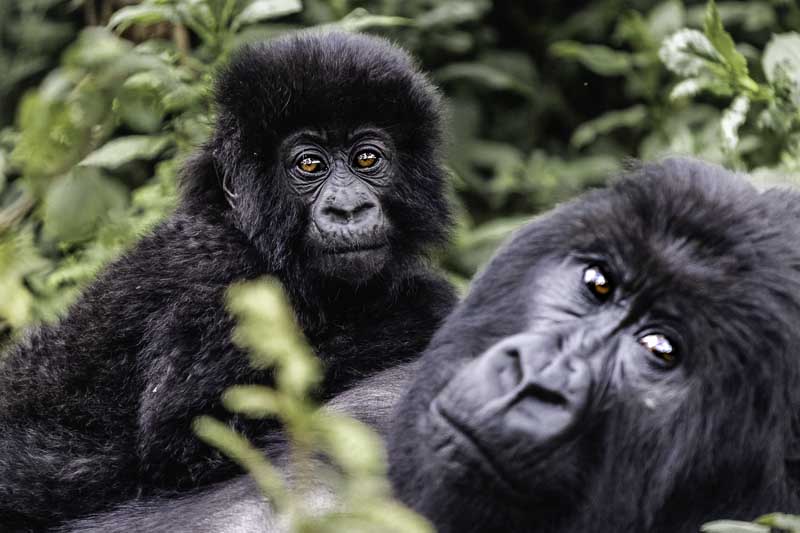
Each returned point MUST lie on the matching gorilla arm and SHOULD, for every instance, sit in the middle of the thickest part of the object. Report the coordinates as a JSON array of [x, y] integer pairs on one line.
[[237, 506]]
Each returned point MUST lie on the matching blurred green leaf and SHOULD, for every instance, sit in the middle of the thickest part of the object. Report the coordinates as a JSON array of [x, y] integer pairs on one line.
[[781, 521], [782, 60], [265, 9], [732, 120], [599, 59], [607, 122], [731, 526], [76, 203], [122, 150], [722, 41], [148, 13]]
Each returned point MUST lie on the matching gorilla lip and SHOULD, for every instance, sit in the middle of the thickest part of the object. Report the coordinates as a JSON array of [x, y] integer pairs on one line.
[[356, 249], [470, 444]]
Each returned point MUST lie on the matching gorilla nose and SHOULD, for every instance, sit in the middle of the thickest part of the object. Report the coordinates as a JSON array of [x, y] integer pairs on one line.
[[343, 214], [525, 368]]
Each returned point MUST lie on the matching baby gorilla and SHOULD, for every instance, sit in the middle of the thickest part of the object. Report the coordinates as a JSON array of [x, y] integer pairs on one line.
[[324, 170], [627, 363]]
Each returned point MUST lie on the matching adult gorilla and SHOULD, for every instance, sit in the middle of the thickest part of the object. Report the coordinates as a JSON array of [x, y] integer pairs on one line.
[[627, 363]]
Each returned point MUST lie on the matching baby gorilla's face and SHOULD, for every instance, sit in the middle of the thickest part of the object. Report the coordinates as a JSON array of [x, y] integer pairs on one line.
[[612, 366], [342, 178]]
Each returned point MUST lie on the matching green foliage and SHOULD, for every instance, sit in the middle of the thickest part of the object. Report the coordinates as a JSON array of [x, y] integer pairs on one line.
[[101, 101], [357, 470], [764, 524]]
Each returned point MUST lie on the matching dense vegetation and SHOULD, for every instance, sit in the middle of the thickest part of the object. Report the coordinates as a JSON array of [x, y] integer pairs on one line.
[[100, 100]]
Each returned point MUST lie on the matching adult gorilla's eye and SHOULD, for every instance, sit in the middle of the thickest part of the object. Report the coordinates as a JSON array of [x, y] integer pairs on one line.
[[366, 159], [661, 347], [311, 164], [597, 282]]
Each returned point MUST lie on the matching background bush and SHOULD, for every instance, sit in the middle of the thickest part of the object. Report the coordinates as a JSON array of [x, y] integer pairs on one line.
[[101, 100]]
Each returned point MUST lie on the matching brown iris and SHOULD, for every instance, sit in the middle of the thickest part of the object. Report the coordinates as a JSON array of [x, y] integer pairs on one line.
[[597, 282], [310, 164], [366, 159]]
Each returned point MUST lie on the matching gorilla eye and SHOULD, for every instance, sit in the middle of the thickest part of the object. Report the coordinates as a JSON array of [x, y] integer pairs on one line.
[[661, 348], [311, 164], [597, 282], [366, 159]]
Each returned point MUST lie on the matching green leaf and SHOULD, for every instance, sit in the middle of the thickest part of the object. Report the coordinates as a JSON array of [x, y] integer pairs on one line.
[[360, 19], [254, 401], [732, 120], [666, 18], [96, 47], [265, 9], [77, 203], [482, 74], [352, 445], [722, 41], [782, 521], [122, 150], [142, 14], [607, 122], [453, 13], [599, 59], [687, 53], [732, 526], [781, 61], [236, 447], [139, 103]]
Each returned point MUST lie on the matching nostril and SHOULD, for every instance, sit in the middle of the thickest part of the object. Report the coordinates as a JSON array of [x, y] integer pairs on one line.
[[543, 394], [345, 215], [510, 373], [336, 214]]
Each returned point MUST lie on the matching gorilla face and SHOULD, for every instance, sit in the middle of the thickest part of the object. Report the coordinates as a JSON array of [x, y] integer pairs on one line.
[[342, 178], [624, 364]]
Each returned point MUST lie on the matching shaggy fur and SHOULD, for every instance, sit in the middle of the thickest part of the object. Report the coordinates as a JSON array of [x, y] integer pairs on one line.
[[695, 251], [98, 408]]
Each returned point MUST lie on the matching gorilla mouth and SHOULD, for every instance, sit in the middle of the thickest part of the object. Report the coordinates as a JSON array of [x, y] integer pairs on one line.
[[462, 438], [356, 249]]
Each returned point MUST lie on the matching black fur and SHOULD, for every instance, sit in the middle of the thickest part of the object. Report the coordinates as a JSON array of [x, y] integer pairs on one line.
[[694, 251], [656, 448], [97, 408]]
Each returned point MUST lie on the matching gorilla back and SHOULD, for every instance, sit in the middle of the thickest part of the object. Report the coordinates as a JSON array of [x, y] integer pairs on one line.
[[628, 363], [324, 170]]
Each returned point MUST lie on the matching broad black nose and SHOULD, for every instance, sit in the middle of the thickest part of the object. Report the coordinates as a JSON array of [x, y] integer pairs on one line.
[[348, 213], [532, 365]]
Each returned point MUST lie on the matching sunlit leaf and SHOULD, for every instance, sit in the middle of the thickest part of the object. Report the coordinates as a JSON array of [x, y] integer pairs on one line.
[[722, 41], [732, 120], [265, 9], [122, 150], [599, 59], [607, 122], [731, 526], [148, 13]]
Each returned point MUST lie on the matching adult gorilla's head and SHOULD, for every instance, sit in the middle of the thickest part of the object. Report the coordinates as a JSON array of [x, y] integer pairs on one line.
[[326, 156], [626, 363]]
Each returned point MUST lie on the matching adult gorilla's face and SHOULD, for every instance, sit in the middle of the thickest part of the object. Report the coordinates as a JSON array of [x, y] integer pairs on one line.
[[626, 363]]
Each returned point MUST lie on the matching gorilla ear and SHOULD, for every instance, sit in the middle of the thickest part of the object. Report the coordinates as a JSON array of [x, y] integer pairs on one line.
[[201, 184]]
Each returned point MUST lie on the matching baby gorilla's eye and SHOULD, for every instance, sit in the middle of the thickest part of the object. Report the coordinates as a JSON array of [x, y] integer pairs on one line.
[[366, 159], [598, 282], [311, 164], [661, 348]]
